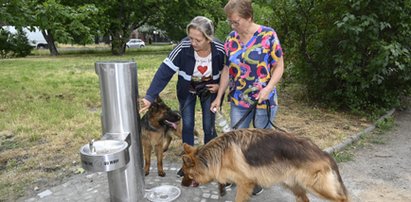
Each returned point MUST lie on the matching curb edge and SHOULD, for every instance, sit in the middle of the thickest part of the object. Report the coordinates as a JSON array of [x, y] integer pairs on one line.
[[352, 139]]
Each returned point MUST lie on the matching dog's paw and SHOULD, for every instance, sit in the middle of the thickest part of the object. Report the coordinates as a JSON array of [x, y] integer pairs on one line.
[[222, 190], [161, 173], [223, 193], [146, 173]]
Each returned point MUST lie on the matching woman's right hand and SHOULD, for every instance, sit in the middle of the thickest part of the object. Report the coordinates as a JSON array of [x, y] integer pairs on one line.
[[215, 105], [144, 105]]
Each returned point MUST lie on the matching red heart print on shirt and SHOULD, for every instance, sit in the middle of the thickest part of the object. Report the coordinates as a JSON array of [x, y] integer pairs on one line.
[[202, 69]]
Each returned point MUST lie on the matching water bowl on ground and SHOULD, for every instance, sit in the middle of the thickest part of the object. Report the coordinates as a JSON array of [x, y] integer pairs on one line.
[[163, 193]]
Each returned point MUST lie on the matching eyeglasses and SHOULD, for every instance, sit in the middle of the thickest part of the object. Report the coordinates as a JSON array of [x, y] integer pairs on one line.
[[234, 22]]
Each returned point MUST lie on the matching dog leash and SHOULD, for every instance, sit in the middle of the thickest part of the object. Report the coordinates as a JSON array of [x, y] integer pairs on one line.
[[269, 120], [251, 109], [253, 106]]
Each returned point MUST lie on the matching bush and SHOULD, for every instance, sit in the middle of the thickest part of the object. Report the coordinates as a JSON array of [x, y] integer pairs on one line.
[[5, 46], [21, 46], [356, 57], [14, 45]]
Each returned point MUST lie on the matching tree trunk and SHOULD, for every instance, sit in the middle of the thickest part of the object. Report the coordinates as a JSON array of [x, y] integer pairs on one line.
[[117, 46], [50, 42]]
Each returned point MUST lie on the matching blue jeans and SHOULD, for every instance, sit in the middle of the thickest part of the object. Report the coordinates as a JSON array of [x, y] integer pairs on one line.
[[261, 117], [187, 110]]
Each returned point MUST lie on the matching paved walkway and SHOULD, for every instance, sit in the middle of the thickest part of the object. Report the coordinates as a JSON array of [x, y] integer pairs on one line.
[[94, 186], [381, 171]]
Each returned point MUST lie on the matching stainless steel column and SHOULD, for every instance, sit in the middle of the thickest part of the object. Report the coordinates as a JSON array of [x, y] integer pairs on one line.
[[118, 86]]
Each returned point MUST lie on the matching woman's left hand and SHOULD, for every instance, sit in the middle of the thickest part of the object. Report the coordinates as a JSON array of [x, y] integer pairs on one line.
[[213, 88], [264, 94]]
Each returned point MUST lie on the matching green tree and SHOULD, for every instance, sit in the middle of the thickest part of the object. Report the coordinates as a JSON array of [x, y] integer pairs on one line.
[[122, 17], [175, 15], [9, 10], [62, 23], [57, 21], [76, 21]]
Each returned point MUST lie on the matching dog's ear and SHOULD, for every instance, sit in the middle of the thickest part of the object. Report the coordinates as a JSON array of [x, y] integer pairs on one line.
[[188, 148], [188, 161], [155, 105], [159, 100]]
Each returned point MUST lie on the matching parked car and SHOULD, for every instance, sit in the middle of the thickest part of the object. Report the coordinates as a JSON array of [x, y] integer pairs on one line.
[[35, 37], [135, 43]]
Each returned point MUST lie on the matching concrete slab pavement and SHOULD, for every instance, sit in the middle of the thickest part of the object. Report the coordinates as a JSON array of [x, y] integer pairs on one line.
[[93, 187]]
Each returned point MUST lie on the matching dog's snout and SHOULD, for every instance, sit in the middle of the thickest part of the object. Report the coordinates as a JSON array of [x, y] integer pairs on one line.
[[173, 116]]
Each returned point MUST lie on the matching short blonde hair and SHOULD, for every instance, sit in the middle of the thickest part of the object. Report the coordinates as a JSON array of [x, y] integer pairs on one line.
[[242, 7], [202, 24]]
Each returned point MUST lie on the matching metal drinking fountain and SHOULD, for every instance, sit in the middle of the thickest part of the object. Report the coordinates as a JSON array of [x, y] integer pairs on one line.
[[119, 152]]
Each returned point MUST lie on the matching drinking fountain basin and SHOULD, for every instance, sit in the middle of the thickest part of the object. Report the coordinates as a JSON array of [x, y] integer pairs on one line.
[[104, 155]]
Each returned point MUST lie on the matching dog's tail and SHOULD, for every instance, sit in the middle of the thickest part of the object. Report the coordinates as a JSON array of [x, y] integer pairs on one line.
[[167, 142]]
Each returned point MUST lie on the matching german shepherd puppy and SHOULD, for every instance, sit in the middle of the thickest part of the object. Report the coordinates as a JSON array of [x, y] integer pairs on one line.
[[157, 125], [248, 157]]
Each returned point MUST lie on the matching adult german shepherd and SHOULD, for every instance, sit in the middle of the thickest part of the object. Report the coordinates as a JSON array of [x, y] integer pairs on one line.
[[248, 157], [157, 125]]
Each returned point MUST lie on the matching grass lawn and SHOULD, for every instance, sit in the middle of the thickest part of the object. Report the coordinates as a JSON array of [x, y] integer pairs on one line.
[[50, 107]]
